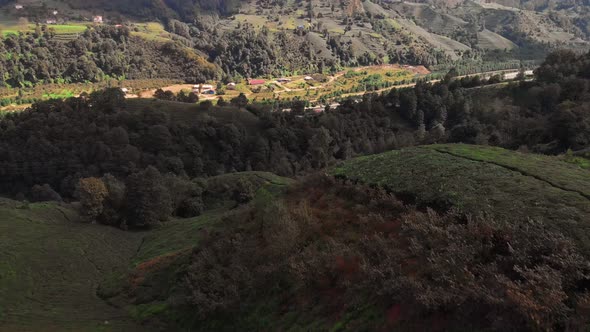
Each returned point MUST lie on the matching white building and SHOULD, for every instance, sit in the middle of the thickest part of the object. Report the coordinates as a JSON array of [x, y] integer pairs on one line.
[[19, 7], [97, 19]]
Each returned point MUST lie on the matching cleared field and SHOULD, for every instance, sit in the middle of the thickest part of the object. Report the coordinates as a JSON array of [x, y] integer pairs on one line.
[[493, 41], [62, 30], [150, 31], [475, 179], [51, 265], [437, 41]]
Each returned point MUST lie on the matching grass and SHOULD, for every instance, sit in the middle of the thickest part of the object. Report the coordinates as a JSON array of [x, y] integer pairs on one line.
[[579, 161], [60, 29], [51, 265], [176, 235], [64, 94], [475, 180], [151, 31], [165, 251], [183, 234]]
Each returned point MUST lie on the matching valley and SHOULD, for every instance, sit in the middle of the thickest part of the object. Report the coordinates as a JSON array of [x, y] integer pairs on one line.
[[294, 165]]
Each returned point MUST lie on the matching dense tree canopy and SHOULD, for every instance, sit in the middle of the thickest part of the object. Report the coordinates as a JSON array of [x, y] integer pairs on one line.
[[100, 52]]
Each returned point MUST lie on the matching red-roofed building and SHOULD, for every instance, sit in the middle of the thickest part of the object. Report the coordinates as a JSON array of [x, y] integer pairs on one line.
[[256, 82]]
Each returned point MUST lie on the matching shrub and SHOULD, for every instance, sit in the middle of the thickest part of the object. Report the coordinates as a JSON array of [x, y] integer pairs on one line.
[[44, 193], [92, 195]]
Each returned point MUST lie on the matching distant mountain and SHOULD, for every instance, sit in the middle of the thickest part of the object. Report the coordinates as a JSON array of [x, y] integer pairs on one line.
[[252, 38]]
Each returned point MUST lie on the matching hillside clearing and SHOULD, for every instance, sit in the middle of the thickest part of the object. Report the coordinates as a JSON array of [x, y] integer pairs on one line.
[[476, 180], [51, 265]]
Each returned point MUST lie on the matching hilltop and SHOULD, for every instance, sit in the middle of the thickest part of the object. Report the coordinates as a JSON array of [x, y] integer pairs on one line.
[[483, 180]]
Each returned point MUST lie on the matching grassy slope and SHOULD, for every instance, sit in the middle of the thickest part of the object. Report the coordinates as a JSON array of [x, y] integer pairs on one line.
[[183, 234], [165, 251], [50, 267], [478, 179], [53, 267]]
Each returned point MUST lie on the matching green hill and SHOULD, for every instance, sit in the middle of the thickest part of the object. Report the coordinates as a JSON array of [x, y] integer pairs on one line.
[[54, 268], [478, 180], [50, 268]]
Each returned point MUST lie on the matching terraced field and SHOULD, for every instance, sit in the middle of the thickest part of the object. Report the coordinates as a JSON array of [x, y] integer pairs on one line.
[[484, 180], [51, 265], [492, 41], [63, 31]]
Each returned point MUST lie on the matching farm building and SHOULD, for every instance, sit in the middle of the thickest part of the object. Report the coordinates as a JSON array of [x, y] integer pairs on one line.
[[202, 88], [256, 82]]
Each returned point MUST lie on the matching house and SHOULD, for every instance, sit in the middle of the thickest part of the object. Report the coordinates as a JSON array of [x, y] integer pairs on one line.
[[308, 78], [284, 80], [125, 90], [208, 92], [256, 82], [231, 86], [51, 21], [55, 12], [202, 88], [97, 19], [18, 7]]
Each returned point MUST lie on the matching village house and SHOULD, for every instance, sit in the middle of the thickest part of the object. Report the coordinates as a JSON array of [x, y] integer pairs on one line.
[[97, 19], [308, 78], [55, 12], [51, 21], [284, 80], [18, 7], [203, 88], [231, 86], [256, 82]]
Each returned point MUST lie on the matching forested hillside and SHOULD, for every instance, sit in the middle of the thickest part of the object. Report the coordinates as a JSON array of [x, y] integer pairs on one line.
[[99, 53], [57, 142], [279, 38]]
